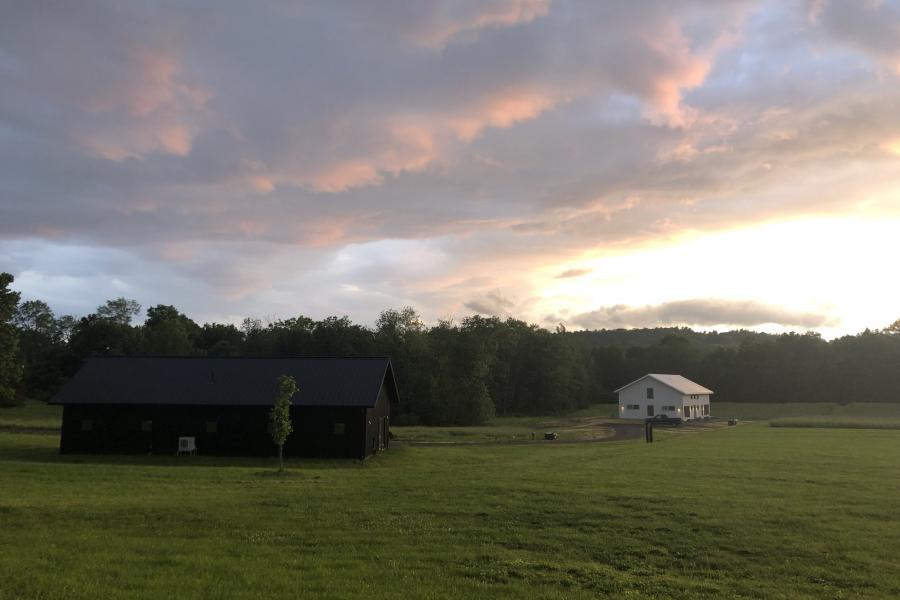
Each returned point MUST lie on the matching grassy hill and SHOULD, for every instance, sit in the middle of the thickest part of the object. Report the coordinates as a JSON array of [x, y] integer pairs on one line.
[[746, 512]]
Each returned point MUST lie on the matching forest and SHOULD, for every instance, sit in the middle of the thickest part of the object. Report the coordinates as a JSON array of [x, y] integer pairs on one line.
[[461, 373]]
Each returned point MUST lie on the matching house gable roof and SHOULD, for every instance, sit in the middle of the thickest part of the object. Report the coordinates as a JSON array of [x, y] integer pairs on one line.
[[676, 382], [228, 381]]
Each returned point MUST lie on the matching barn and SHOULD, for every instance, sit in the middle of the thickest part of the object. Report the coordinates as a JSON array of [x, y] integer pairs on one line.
[[663, 394], [145, 404]]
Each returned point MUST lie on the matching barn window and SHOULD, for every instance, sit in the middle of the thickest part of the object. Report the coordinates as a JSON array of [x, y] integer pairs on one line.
[[87, 424], [146, 425], [649, 393], [340, 428], [633, 407], [212, 427]]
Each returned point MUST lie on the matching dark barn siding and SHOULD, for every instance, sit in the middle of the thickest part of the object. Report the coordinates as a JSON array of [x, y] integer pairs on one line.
[[237, 430], [129, 427]]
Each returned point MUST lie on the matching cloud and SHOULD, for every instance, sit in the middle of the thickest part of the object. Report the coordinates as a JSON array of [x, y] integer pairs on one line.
[[872, 26], [500, 139], [573, 273], [436, 24], [492, 303], [699, 312]]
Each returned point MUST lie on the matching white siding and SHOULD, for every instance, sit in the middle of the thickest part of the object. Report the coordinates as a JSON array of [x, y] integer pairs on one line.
[[636, 394]]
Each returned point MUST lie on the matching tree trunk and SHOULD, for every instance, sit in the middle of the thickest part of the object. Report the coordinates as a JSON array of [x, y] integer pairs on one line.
[[281, 457]]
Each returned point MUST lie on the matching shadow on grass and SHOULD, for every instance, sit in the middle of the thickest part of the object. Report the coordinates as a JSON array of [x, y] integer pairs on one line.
[[21, 450]]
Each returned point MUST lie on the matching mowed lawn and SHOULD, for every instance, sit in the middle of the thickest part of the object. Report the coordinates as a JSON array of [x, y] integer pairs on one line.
[[745, 512]]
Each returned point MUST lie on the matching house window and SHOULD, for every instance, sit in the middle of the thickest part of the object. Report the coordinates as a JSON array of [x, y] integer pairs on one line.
[[212, 427], [706, 410], [633, 407], [694, 396], [670, 407], [340, 428], [87, 424], [146, 425], [649, 393]]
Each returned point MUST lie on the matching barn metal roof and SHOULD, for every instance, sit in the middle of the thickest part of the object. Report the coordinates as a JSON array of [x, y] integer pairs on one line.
[[676, 382], [227, 381]]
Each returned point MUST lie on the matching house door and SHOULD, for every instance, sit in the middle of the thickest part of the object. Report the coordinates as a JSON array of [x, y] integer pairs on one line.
[[649, 410]]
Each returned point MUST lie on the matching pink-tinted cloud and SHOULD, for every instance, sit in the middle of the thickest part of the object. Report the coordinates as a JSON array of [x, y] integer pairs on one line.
[[436, 24], [502, 140]]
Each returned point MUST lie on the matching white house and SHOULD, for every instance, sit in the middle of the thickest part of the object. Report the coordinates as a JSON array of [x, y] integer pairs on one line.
[[670, 395]]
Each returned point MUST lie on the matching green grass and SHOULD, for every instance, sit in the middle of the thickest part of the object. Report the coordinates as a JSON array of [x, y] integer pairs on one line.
[[735, 512], [589, 423], [582, 425], [763, 411], [837, 422], [31, 415]]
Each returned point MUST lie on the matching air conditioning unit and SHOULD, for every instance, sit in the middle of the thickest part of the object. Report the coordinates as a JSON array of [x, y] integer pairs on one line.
[[187, 445]]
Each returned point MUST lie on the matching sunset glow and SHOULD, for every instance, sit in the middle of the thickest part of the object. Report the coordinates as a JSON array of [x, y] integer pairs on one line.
[[712, 165], [817, 272]]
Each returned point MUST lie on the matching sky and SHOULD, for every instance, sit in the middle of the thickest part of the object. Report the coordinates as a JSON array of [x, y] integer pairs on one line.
[[712, 164]]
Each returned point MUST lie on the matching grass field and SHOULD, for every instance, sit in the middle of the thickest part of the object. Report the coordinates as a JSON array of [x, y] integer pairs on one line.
[[569, 427], [763, 410], [32, 415], [837, 422], [588, 424], [745, 512]]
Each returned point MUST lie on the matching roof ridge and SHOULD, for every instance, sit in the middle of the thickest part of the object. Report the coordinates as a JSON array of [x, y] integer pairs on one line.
[[660, 377]]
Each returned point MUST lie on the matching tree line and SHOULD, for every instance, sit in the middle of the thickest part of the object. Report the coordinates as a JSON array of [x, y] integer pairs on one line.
[[462, 373]]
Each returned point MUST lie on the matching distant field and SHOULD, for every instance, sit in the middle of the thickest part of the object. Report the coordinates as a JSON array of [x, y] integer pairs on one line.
[[735, 512], [763, 411], [32, 414], [837, 422], [588, 423]]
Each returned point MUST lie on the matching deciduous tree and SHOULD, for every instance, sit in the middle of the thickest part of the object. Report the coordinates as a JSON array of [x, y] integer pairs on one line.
[[280, 415], [120, 311], [10, 365]]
